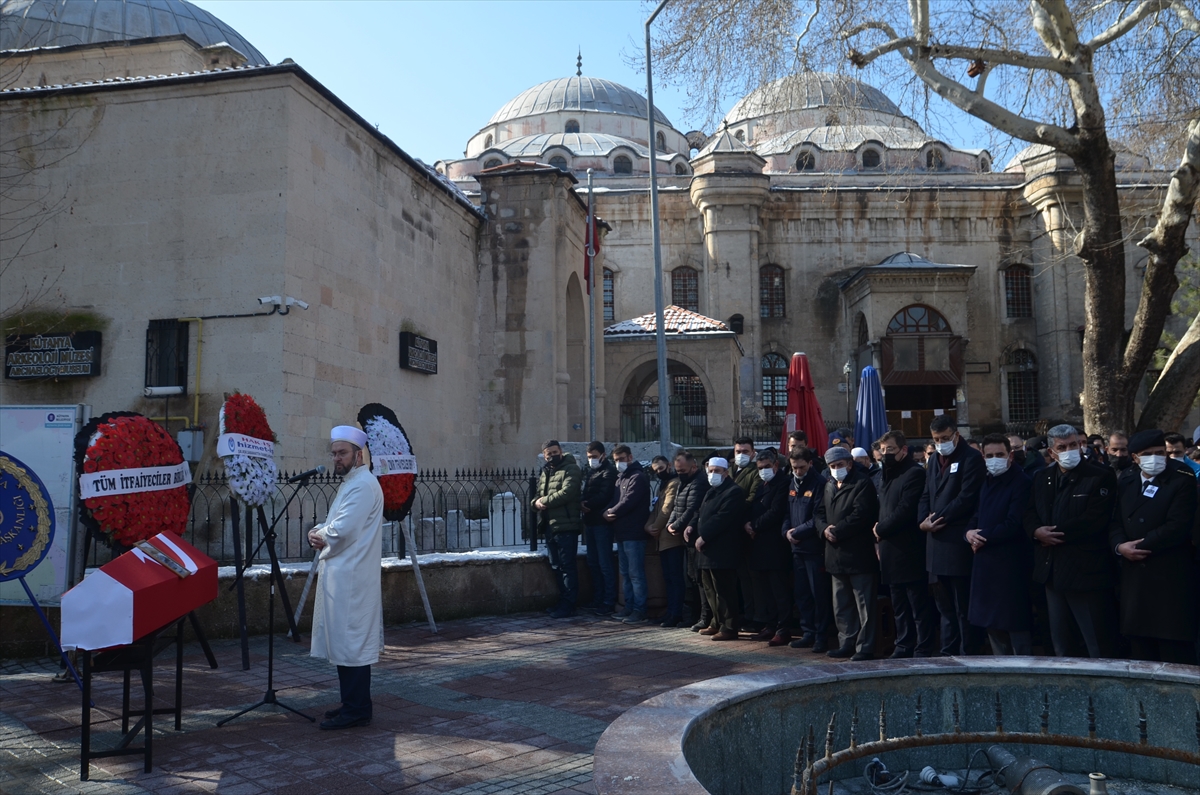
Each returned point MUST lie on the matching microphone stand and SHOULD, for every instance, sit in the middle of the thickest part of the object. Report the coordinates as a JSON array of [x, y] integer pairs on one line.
[[268, 538]]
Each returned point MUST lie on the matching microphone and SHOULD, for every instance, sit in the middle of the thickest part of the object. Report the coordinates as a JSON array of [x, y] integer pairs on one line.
[[319, 470]]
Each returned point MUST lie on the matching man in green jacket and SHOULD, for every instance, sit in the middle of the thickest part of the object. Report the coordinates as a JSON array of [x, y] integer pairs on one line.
[[560, 520]]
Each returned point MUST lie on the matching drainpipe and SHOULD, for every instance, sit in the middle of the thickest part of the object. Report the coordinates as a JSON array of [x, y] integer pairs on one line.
[[1026, 776]]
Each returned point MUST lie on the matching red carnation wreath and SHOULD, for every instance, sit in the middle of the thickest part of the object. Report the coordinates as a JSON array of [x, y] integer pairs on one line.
[[386, 437], [123, 440]]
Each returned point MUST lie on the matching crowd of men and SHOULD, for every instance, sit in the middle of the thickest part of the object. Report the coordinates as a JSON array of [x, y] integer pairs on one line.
[[1096, 538]]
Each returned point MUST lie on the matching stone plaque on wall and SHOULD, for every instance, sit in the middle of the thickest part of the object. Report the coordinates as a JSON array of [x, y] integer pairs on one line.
[[418, 353], [70, 355]]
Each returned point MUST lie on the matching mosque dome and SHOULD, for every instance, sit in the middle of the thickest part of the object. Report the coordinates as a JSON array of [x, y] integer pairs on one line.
[[583, 94], [812, 91], [62, 23]]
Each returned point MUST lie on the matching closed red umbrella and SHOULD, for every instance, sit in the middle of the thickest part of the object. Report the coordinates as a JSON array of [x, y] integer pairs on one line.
[[803, 410]]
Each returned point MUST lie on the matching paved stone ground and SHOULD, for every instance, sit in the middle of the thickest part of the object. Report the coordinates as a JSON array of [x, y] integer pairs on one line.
[[495, 705]]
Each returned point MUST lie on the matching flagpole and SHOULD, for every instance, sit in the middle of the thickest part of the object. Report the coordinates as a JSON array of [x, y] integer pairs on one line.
[[660, 333], [591, 257]]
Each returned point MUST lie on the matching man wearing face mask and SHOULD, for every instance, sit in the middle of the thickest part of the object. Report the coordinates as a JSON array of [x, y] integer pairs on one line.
[[770, 558], [693, 485], [1068, 519], [557, 504], [1151, 532], [902, 549], [627, 512], [1003, 554], [954, 477], [671, 551], [1177, 452], [745, 474], [599, 481], [846, 516], [1118, 451], [812, 588], [718, 535], [1018, 450]]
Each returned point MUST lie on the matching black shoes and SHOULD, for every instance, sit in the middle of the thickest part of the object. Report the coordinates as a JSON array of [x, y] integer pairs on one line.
[[670, 622], [562, 612], [341, 722], [900, 654], [820, 646], [333, 713], [840, 654], [862, 655], [805, 641], [699, 625]]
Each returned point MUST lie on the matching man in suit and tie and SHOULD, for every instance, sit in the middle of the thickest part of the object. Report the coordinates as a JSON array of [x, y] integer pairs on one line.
[[955, 474], [1068, 519], [1151, 531]]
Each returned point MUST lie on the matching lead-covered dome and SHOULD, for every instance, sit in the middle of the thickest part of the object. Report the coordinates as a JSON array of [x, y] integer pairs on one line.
[[585, 94], [811, 91], [60, 23]]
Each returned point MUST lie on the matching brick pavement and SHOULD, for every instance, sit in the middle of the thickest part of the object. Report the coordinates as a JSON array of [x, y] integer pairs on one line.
[[499, 705]]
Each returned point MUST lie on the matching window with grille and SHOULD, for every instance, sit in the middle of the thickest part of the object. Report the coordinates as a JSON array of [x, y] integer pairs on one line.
[[917, 319], [166, 353], [685, 288], [491, 163], [559, 162], [690, 391], [806, 162], [1021, 371], [1018, 292], [622, 165], [774, 385], [771, 291], [572, 126], [609, 305], [871, 158]]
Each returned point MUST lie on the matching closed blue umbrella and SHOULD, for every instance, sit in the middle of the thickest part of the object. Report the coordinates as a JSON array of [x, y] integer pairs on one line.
[[870, 417]]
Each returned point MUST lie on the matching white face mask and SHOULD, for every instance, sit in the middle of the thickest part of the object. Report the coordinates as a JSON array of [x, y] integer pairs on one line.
[[741, 459], [996, 466], [622, 466], [594, 463], [715, 478], [1152, 465], [945, 448], [1068, 459], [840, 473], [766, 474]]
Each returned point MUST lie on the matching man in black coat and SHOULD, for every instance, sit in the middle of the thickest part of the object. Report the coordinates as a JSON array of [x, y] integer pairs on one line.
[[1068, 519], [599, 480], [845, 517], [811, 587], [627, 513], [902, 550], [693, 485], [1151, 531], [769, 556], [719, 534], [954, 476]]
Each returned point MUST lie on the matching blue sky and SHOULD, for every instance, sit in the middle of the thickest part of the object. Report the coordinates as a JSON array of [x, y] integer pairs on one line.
[[430, 74]]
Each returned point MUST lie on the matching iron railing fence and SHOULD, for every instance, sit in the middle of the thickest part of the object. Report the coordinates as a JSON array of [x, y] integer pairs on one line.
[[451, 512], [769, 431], [689, 422]]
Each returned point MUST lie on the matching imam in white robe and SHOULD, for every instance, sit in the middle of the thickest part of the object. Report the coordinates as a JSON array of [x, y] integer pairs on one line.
[[348, 611]]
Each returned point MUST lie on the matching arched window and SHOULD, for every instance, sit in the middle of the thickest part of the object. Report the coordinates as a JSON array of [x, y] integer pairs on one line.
[[572, 126], [685, 288], [559, 162], [609, 304], [985, 165], [774, 385], [918, 319], [680, 170], [863, 336], [487, 142], [935, 160], [660, 141], [622, 165], [871, 158], [806, 162], [740, 135], [1020, 368], [737, 324], [771, 291], [1018, 291], [491, 163]]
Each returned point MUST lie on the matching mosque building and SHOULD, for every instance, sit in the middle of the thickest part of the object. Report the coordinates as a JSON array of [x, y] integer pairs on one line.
[[223, 223]]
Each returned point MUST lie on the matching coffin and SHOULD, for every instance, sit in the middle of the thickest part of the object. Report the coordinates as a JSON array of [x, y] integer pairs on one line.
[[134, 595]]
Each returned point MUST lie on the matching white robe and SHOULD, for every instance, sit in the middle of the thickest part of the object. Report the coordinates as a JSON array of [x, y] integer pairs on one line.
[[348, 611]]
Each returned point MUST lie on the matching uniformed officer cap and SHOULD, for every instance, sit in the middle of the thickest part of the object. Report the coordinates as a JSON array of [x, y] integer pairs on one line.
[[1144, 440]]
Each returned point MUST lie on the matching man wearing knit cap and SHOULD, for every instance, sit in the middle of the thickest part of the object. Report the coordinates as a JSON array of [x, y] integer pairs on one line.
[[1151, 532], [348, 612]]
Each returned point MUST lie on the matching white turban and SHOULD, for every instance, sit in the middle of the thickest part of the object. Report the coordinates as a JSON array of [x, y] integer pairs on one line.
[[348, 433], [858, 452], [718, 462]]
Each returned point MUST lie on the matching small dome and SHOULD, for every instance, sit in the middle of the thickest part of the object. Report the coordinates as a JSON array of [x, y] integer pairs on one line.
[[844, 138], [811, 91], [579, 94], [62, 23]]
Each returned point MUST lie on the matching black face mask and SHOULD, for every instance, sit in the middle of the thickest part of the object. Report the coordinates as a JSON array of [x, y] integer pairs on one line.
[[1121, 462], [1019, 457], [889, 460], [554, 460], [665, 475]]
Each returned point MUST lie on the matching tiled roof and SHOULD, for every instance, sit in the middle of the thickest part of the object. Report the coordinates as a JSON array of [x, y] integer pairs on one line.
[[676, 319]]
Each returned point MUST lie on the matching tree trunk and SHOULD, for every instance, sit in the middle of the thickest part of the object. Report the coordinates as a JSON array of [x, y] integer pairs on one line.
[[1172, 396], [1102, 250]]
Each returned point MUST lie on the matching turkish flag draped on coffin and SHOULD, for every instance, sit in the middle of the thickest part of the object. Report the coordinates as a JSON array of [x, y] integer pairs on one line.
[[134, 595]]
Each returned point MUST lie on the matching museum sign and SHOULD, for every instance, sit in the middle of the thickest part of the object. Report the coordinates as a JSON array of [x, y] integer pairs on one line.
[[418, 353], [71, 355]]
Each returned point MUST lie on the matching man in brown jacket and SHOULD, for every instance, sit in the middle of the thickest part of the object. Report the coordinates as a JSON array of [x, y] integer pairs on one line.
[[671, 549]]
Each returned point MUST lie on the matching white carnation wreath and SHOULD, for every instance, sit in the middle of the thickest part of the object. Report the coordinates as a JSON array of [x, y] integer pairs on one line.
[[251, 479], [383, 438]]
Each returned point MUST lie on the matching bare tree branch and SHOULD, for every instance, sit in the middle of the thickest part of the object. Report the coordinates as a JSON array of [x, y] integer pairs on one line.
[[1128, 23], [1173, 394]]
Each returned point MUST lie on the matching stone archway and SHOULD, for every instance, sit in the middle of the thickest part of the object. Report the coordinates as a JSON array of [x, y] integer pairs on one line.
[[577, 392], [688, 404]]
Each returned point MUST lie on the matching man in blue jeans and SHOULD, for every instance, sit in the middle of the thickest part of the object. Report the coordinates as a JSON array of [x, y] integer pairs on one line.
[[599, 483], [627, 513]]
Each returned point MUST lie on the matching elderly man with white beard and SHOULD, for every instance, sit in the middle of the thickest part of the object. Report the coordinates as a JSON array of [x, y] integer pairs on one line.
[[348, 613]]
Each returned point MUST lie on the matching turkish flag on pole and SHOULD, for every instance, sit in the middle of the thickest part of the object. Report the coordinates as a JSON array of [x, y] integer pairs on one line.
[[592, 240]]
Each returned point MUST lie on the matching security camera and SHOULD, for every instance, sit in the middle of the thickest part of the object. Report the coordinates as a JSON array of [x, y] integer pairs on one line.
[[297, 302], [271, 299], [162, 391]]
